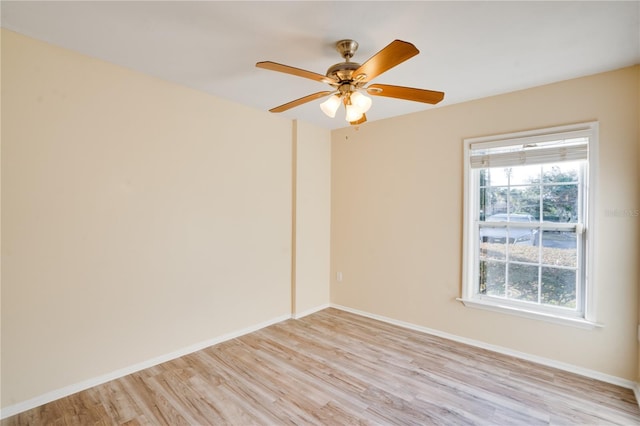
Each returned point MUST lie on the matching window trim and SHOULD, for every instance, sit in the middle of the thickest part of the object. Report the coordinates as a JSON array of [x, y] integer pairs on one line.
[[469, 296], [531, 314]]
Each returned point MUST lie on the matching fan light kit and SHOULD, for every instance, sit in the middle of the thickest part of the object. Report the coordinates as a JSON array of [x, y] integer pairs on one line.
[[348, 81]]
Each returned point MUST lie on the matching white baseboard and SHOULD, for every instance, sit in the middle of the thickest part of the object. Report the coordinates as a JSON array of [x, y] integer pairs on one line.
[[310, 311], [86, 384], [502, 350]]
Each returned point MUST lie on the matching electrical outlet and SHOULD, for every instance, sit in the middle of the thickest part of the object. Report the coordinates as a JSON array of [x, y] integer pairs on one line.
[[339, 277]]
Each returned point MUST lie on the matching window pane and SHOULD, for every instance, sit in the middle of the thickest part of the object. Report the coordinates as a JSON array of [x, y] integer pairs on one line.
[[491, 234], [523, 282], [561, 172], [493, 251], [520, 235], [523, 175], [560, 248], [492, 278], [482, 203], [560, 203], [492, 201], [524, 253], [497, 176], [559, 287], [524, 203]]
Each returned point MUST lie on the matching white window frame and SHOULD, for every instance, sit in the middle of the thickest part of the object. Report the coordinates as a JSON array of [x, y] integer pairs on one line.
[[471, 297]]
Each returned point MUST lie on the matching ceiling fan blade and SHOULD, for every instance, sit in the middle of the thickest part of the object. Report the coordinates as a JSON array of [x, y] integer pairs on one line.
[[300, 101], [273, 66], [408, 93], [363, 119], [394, 54]]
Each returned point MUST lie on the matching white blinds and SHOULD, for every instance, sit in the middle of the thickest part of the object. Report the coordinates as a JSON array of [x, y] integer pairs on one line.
[[534, 149]]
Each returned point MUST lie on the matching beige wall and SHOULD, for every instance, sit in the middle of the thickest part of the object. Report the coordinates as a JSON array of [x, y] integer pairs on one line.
[[1, 33], [638, 207], [397, 219], [139, 217], [312, 147]]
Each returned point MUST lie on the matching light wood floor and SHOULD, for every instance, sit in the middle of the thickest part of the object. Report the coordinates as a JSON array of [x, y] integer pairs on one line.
[[337, 368]]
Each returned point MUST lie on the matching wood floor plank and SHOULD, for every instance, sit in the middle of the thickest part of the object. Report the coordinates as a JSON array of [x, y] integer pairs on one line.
[[337, 368]]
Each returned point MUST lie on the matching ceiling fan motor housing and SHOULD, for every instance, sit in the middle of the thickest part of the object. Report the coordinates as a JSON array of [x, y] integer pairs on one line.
[[342, 71]]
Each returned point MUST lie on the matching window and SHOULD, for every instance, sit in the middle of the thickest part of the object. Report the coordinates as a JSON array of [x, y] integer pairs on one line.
[[527, 198]]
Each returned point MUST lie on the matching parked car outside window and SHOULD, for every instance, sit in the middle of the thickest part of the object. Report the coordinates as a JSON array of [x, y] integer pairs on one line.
[[525, 236]]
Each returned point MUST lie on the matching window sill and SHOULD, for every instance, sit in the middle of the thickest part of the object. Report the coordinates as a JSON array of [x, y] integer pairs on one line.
[[574, 322]]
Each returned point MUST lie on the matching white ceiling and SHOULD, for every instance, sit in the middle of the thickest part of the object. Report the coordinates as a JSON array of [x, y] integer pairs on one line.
[[468, 50]]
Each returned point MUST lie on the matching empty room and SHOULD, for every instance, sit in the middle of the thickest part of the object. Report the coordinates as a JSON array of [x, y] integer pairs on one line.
[[323, 213]]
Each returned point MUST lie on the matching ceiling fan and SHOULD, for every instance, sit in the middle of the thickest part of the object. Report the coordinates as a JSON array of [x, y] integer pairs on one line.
[[349, 79]]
